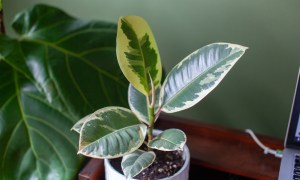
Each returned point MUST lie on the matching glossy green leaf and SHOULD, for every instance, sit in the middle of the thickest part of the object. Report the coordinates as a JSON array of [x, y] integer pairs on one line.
[[197, 75], [58, 70], [134, 163], [139, 105], [111, 132], [138, 54], [169, 140]]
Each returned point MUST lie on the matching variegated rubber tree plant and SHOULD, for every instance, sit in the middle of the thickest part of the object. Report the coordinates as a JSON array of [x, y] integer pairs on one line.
[[116, 131]]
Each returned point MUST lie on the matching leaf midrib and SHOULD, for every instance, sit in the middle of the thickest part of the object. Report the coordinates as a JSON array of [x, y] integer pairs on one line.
[[23, 118], [144, 65]]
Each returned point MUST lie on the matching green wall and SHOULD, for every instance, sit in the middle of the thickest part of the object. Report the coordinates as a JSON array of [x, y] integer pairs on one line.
[[258, 92]]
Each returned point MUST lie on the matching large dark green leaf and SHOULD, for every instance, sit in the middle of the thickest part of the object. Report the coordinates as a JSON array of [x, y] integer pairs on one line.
[[59, 70]]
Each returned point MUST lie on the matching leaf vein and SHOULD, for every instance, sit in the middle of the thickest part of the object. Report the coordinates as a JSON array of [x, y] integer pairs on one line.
[[14, 131], [49, 105], [53, 147], [54, 128], [70, 35], [75, 83]]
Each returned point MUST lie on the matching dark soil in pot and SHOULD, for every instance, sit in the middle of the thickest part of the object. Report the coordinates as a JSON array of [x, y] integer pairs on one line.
[[166, 164]]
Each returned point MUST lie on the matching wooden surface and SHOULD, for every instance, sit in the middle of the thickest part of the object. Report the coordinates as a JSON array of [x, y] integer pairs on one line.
[[217, 150], [93, 170]]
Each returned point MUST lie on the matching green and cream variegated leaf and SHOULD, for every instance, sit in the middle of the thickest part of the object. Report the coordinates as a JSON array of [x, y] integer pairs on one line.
[[169, 140], [197, 75], [111, 132], [138, 54], [77, 127], [139, 105], [134, 163]]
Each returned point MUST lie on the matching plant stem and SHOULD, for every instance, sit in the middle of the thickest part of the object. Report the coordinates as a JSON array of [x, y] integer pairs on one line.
[[151, 123], [2, 30], [151, 110]]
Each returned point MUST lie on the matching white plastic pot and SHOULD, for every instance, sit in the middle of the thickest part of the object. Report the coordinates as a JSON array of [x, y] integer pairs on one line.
[[182, 174]]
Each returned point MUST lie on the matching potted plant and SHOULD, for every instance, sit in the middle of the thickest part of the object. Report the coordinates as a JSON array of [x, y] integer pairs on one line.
[[113, 131]]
